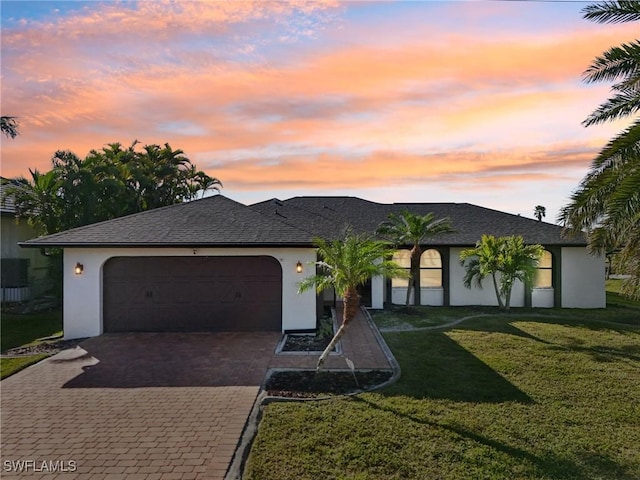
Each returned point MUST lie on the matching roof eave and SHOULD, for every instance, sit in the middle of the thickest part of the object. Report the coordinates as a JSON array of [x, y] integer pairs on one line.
[[165, 245]]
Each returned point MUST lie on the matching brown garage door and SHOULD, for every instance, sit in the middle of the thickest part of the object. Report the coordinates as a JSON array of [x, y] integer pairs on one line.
[[192, 294]]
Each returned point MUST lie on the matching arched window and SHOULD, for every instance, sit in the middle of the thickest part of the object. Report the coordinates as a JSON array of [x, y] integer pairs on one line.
[[544, 274], [402, 258], [430, 269]]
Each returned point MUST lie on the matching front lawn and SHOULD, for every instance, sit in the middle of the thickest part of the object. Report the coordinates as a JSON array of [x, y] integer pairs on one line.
[[400, 317], [496, 397], [19, 330]]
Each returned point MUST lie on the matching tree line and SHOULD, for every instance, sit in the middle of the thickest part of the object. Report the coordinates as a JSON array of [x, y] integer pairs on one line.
[[106, 184]]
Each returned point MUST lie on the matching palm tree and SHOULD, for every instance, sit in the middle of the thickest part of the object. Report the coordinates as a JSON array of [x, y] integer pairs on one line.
[[506, 259], [484, 260], [9, 126], [407, 228], [540, 212], [608, 197], [344, 265], [37, 199]]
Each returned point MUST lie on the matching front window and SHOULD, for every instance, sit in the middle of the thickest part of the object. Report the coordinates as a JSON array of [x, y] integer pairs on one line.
[[544, 277], [402, 258], [430, 269]]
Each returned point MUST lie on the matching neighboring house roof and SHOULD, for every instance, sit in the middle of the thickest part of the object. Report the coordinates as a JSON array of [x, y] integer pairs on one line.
[[7, 206], [220, 221]]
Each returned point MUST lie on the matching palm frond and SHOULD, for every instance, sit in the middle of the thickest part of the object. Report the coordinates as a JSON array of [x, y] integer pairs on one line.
[[618, 106], [621, 147], [617, 63], [619, 11], [349, 262]]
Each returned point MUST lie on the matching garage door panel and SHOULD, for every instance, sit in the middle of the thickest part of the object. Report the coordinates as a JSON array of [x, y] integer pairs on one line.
[[192, 294]]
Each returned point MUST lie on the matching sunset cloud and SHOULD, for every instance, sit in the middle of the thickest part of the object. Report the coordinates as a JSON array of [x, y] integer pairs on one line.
[[383, 168], [284, 95]]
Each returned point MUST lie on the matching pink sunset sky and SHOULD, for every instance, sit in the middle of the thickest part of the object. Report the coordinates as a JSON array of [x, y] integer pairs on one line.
[[433, 101]]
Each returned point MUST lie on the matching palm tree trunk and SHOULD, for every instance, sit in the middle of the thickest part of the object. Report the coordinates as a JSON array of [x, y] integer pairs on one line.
[[495, 286], [349, 311], [416, 252], [409, 289], [507, 302], [414, 270]]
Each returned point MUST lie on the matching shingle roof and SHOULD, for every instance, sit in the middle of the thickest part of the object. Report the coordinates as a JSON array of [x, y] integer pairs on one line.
[[212, 221], [7, 206], [220, 221], [326, 217]]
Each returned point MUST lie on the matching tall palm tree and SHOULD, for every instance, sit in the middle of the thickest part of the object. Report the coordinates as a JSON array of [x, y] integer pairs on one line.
[[540, 212], [344, 265], [505, 259], [407, 228], [608, 197]]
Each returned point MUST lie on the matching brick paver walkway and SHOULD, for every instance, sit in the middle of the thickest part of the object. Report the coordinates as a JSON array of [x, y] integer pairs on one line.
[[146, 406], [358, 344]]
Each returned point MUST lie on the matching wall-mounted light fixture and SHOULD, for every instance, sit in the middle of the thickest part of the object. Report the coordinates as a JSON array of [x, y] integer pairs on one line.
[[79, 269], [299, 267]]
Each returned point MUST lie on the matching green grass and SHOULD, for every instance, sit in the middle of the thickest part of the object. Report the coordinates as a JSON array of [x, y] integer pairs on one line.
[[619, 309], [613, 285], [418, 317], [9, 366], [19, 330], [497, 397]]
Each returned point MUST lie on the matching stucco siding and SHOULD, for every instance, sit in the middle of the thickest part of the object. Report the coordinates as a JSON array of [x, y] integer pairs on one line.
[[428, 296], [377, 292], [486, 296], [432, 296], [583, 279], [542, 297], [83, 293]]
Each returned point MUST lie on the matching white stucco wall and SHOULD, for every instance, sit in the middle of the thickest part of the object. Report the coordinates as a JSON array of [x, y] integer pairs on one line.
[[431, 296], [377, 292], [583, 279], [542, 297], [460, 295], [83, 293], [399, 296]]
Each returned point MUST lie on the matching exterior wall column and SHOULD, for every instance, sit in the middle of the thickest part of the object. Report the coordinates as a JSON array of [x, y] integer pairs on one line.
[[377, 292]]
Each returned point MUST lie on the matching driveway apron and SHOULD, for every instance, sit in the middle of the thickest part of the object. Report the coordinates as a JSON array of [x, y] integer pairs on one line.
[[134, 406]]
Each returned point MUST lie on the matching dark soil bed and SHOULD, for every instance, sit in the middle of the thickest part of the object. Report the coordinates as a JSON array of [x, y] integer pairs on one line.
[[309, 384], [305, 343]]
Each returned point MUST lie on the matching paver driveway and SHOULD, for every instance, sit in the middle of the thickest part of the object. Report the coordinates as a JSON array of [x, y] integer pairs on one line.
[[134, 406]]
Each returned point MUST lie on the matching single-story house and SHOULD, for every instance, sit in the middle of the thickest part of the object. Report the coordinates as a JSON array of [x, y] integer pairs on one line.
[[216, 264]]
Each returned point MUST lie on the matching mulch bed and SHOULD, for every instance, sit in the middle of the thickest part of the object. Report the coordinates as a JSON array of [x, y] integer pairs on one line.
[[309, 384], [305, 343], [49, 348]]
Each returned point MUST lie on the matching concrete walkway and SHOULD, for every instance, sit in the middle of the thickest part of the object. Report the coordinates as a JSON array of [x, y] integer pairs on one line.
[[147, 406]]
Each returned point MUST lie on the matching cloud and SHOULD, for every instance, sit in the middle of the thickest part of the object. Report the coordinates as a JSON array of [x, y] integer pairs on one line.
[[273, 94], [384, 168]]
